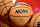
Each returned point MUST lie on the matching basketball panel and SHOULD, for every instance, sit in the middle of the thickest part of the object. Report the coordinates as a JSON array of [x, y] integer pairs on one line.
[[4, 12], [35, 20], [21, 21]]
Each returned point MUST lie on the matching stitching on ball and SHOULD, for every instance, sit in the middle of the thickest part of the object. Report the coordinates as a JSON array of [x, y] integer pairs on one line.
[[35, 20], [5, 6]]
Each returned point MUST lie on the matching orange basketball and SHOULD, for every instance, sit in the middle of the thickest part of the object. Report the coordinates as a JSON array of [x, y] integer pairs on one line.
[[20, 13], [35, 22], [5, 6]]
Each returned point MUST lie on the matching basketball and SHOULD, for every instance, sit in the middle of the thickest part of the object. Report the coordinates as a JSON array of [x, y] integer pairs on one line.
[[20, 13], [35, 21], [5, 5], [3, 24]]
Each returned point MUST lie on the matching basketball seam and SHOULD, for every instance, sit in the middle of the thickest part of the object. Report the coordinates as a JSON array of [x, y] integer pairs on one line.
[[15, 7], [35, 20], [5, 6], [19, 16], [2, 2], [2, 10], [8, 2], [5, 3], [1, 5]]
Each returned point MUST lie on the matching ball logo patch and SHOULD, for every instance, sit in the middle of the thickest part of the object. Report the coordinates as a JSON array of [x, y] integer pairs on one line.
[[21, 11]]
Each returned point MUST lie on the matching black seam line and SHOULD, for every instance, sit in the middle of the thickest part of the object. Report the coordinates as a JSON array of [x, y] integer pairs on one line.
[[19, 16], [35, 20], [2, 10], [3, 1], [6, 8], [1, 5], [22, 7], [8, 2], [15, 7]]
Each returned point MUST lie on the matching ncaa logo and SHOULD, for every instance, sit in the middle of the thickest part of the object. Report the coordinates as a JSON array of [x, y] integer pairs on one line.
[[21, 11]]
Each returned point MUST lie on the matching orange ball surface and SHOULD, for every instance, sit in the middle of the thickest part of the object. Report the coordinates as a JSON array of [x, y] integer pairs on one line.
[[5, 5], [20, 13], [35, 21]]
